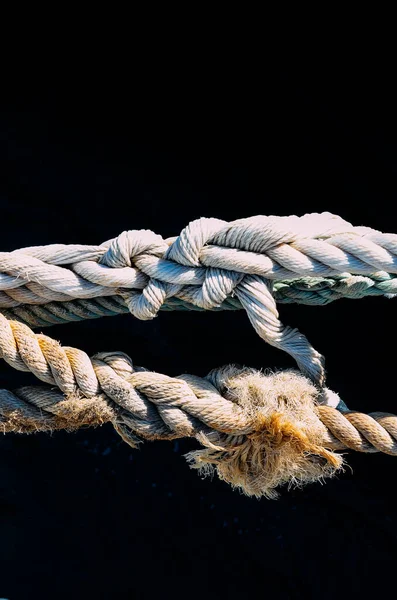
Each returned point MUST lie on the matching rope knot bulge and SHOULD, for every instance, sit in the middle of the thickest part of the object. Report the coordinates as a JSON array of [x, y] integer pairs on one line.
[[257, 431], [179, 268], [285, 443]]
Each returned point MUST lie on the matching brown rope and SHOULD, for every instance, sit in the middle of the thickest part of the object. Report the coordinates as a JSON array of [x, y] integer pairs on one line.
[[258, 431]]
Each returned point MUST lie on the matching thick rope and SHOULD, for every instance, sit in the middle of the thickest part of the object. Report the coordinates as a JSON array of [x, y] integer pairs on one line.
[[282, 249], [211, 265], [258, 431], [312, 291]]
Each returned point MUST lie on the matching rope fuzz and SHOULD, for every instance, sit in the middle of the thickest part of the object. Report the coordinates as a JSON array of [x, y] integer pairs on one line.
[[258, 431], [286, 444]]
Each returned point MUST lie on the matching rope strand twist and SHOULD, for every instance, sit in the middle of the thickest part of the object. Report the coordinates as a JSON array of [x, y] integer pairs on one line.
[[257, 430]]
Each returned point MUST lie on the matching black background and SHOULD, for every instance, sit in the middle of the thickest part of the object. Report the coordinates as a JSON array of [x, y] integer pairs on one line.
[[84, 516]]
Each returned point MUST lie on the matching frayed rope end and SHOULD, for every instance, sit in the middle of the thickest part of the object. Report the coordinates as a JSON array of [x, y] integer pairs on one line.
[[286, 445]]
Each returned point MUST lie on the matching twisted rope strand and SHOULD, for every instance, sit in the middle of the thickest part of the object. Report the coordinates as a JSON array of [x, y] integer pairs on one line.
[[210, 262], [310, 291], [258, 431], [277, 248], [113, 374]]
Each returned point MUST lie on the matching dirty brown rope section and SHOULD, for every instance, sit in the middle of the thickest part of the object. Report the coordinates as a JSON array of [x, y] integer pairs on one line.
[[257, 430]]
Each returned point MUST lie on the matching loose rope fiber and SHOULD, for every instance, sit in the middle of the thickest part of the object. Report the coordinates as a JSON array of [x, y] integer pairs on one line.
[[258, 430]]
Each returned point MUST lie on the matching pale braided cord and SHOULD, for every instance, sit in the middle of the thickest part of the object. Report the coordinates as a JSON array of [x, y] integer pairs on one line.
[[312, 291], [209, 262], [146, 404], [254, 294], [319, 246]]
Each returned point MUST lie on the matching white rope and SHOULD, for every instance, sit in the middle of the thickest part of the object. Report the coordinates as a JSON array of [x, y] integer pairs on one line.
[[210, 262]]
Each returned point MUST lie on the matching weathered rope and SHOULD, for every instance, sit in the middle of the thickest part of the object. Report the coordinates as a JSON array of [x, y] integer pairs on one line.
[[212, 264], [312, 291], [279, 248], [258, 431]]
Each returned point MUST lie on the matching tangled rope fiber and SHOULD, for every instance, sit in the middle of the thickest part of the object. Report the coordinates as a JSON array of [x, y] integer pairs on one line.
[[258, 430]]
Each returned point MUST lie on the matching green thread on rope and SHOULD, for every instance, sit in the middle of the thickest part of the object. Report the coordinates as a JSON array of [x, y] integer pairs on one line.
[[312, 291]]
